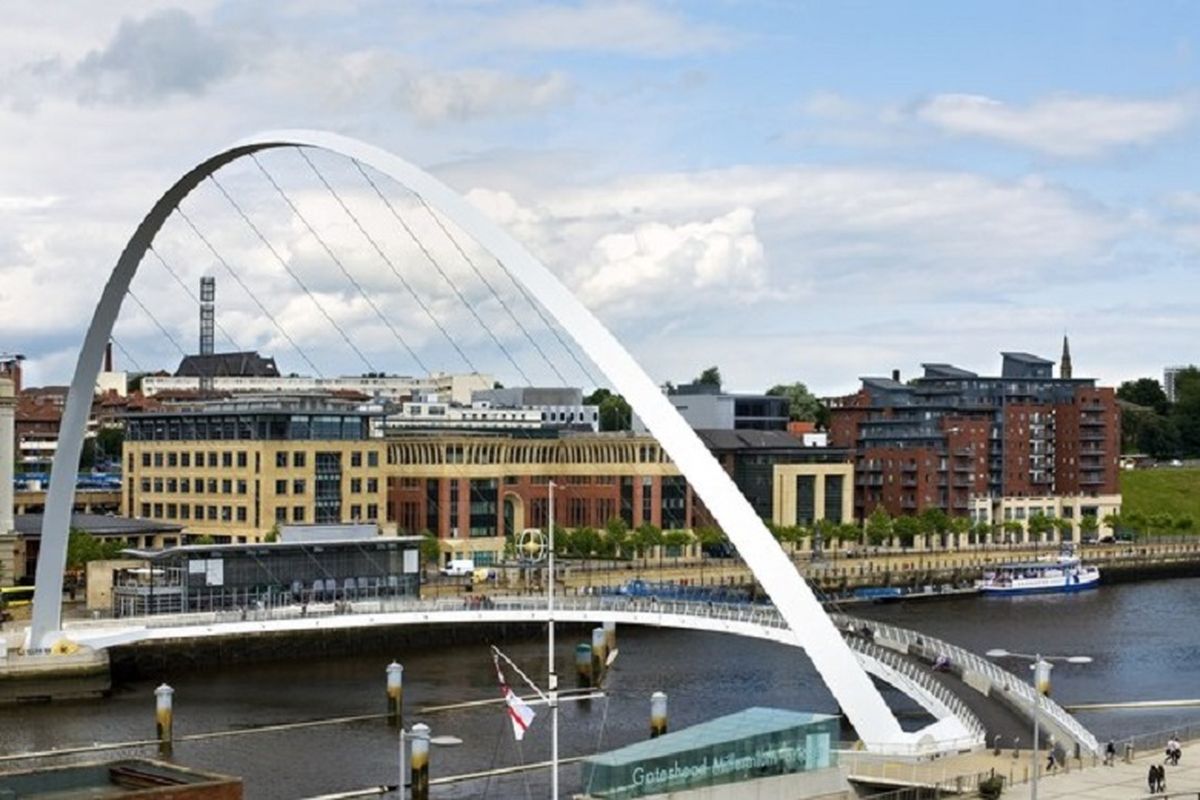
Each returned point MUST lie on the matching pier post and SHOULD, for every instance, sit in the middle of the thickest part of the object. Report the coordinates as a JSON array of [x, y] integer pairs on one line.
[[395, 694], [583, 665], [658, 714], [164, 714], [599, 655], [420, 761], [610, 634]]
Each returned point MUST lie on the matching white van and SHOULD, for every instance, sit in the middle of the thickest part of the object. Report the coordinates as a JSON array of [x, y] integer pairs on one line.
[[459, 567]]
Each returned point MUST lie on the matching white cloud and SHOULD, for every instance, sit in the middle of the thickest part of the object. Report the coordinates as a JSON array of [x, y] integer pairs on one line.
[[1059, 126], [461, 95], [626, 27]]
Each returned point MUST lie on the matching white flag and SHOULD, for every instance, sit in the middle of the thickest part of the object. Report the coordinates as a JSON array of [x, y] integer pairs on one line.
[[518, 710]]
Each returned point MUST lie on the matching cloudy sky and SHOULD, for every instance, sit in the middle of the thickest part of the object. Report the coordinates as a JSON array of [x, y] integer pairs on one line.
[[793, 191]]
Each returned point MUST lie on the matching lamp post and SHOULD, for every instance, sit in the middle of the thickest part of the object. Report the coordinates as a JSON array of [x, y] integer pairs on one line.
[[1041, 685], [421, 738], [552, 679]]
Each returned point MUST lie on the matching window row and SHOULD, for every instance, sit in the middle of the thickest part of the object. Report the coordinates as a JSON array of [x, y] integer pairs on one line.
[[197, 512], [200, 458], [198, 485]]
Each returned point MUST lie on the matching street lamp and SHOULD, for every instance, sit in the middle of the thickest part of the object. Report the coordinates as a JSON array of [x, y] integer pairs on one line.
[[421, 739], [1041, 685]]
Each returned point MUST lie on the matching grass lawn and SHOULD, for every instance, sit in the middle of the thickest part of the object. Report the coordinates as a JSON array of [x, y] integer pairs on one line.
[[1153, 491]]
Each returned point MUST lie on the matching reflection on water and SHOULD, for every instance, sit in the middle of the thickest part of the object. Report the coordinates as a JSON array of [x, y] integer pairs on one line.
[[1138, 634]]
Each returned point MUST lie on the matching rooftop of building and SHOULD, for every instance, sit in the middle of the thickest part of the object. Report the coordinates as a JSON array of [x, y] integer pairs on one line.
[[1027, 358], [938, 370], [168, 553], [242, 364], [97, 525], [123, 778], [725, 440], [269, 403], [750, 722]]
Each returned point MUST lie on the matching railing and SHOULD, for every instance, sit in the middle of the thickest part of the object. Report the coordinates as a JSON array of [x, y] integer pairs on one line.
[[1156, 741], [1001, 678]]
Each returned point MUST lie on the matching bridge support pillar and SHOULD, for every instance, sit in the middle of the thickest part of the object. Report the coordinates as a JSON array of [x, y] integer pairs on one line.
[[395, 694], [658, 714], [599, 655], [583, 665], [610, 634], [164, 715]]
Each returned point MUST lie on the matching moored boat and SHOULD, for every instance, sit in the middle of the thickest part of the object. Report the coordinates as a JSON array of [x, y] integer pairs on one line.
[[1065, 574]]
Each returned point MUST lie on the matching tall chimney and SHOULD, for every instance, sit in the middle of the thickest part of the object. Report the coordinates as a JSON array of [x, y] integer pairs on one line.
[[108, 359], [896, 375], [8, 444]]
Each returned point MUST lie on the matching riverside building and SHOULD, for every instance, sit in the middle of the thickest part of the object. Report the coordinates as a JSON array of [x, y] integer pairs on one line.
[[953, 439]]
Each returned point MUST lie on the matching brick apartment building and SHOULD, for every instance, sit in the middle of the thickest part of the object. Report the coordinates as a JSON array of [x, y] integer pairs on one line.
[[952, 436]]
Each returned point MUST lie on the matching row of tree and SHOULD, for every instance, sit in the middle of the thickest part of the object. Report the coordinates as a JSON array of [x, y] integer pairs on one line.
[[1152, 424]]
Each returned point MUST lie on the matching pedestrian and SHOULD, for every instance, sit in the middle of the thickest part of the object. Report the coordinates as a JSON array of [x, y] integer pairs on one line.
[[1152, 778], [1051, 762], [1110, 753], [1162, 778]]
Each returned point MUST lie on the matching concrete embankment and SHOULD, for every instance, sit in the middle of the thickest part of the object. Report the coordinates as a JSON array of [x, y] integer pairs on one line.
[[24, 679]]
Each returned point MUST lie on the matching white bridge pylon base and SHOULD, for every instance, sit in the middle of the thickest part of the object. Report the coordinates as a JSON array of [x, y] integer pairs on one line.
[[811, 626]]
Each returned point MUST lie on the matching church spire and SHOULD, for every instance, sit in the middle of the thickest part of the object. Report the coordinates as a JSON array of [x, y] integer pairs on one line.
[[1064, 368]]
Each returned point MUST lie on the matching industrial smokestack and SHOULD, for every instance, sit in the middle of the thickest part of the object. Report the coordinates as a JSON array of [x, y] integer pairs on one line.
[[8, 403], [896, 375], [108, 359]]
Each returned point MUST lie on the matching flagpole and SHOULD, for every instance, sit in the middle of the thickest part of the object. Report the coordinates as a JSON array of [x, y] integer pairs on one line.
[[553, 679]]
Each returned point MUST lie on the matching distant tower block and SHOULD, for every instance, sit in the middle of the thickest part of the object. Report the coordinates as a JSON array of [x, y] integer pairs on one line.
[[1064, 368], [208, 296]]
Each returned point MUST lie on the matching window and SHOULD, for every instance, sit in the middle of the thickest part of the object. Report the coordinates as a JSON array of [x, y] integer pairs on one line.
[[158, 459], [158, 484], [199, 512], [199, 459], [372, 459], [298, 514], [172, 459], [172, 511], [212, 486], [212, 513], [185, 459], [355, 512], [355, 485], [185, 511], [227, 459], [185, 485], [281, 486], [241, 487], [241, 459], [281, 513], [372, 511], [372, 485], [145, 509], [227, 486], [212, 459], [226, 514], [145, 484], [356, 458], [298, 459], [145, 459], [298, 486], [172, 485], [241, 513], [281, 459]]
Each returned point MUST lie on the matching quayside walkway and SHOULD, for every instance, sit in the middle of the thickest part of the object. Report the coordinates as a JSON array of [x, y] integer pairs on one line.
[[897, 656]]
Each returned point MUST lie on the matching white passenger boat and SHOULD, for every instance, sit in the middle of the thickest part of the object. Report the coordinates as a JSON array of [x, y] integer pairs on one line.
[[1064, 574]]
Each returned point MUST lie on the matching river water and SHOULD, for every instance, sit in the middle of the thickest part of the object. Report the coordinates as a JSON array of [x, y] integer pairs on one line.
[[1140, 636]]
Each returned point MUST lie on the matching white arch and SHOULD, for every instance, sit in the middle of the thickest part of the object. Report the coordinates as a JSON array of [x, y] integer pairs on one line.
[[834, 661]]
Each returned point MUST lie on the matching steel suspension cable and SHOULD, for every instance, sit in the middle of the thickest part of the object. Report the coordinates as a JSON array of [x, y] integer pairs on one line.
[[192, 295], [479, 273], [126, 353], [221, 260], [391, 265], [304, 287], [157, 324], [329, 252], [434, 263], [537, 309]]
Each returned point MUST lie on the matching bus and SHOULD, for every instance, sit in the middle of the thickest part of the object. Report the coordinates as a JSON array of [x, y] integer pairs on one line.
[[14, 597]]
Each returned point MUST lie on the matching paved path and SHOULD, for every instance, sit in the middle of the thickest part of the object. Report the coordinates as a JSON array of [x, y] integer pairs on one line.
[[1119, 782]]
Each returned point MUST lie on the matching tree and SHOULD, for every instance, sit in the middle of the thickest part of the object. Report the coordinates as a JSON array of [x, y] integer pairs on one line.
[[906, 529], [430, 547], [1013, 530], [109, 442], [1160, 523], [1146, 392], [935, 522], [273, 534], [710, 539], [648, 535], [676, 540], [616, 533], [584, 542], [879, 526], [1185, 523], [615, 413], [1088, 525], [803, 406], [960, 526], [83, 547], [1186, 412], [1039, 526], [710, 377], [1066, 528]]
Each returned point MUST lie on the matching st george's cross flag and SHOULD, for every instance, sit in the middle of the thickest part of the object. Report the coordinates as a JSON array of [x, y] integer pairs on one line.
[[518, 710]]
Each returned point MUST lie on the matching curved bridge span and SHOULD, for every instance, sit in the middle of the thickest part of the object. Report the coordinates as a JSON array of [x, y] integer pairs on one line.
[[891, 654]]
